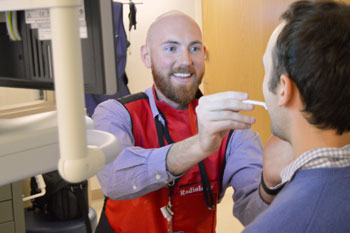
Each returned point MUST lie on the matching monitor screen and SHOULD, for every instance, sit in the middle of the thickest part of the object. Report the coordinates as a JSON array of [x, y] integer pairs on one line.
[[28, 63]]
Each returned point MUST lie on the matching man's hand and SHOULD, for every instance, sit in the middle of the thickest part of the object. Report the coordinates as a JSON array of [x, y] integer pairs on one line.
[[277, 154], [216, 115], [219, 113]]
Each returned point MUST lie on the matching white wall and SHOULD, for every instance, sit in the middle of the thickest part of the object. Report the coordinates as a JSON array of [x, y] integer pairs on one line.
[[139, 76]]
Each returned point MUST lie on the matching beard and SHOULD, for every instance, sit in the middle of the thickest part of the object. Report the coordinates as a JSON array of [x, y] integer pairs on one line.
[[180, 94]]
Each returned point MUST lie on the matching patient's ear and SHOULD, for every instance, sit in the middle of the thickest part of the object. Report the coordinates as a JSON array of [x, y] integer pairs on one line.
[[145, 55], [285, 90]]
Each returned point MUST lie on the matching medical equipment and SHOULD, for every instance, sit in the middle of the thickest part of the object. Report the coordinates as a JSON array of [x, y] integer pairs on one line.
[[28, 62], [39, 179], [254, 102], [29, 146], [44, 139]]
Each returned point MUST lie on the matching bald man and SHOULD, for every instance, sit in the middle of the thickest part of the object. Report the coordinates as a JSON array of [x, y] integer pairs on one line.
[[180, 151]]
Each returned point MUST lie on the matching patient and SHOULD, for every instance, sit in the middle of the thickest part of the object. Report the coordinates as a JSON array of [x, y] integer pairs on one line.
[[307, 92]]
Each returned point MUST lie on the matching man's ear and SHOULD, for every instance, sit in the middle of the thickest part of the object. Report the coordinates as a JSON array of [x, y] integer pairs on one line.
[[285, 90], [145, 55]]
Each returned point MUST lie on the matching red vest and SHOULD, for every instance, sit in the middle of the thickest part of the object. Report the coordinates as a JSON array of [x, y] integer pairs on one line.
[[191, 214]]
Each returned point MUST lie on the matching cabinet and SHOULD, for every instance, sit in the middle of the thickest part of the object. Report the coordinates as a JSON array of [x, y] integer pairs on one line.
[[11, 209]]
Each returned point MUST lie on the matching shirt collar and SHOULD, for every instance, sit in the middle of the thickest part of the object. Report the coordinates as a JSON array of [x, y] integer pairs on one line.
[[318, 158], [152, 102]]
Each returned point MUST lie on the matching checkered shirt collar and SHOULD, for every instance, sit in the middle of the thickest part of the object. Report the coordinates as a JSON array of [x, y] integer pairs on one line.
[[318, 158]]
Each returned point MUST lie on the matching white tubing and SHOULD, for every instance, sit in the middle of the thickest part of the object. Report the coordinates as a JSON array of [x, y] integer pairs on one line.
[[103, 148], [41, 185], [8, 26], [15, 26], [69, 89], [77, 161]]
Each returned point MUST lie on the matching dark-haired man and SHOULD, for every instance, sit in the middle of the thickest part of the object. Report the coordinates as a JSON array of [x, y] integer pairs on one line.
[[307, 92]]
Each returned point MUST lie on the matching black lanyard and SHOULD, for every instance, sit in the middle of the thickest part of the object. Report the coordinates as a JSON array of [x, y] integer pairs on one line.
[[163, 132]]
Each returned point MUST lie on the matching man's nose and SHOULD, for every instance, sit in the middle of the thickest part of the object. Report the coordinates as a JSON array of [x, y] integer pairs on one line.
[[185, 58]]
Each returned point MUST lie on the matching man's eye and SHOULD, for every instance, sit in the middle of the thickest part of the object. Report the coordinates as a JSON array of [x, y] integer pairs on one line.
[[170, 49], [195, 49]]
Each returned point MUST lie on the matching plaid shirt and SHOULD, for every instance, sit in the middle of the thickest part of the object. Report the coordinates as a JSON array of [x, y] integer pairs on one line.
[[318, 158]]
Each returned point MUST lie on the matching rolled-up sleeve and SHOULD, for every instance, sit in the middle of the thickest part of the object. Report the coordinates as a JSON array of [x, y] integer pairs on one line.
[[136, 171], [243, 172]]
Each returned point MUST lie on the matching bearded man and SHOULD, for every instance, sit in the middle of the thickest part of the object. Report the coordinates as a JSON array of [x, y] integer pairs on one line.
[[180, 151]]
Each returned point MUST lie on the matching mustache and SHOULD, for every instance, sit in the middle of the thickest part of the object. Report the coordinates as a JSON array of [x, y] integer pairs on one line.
[[183, 69]]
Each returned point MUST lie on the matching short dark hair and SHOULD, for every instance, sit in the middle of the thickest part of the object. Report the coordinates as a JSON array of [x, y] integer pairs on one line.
[[313, 49]]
